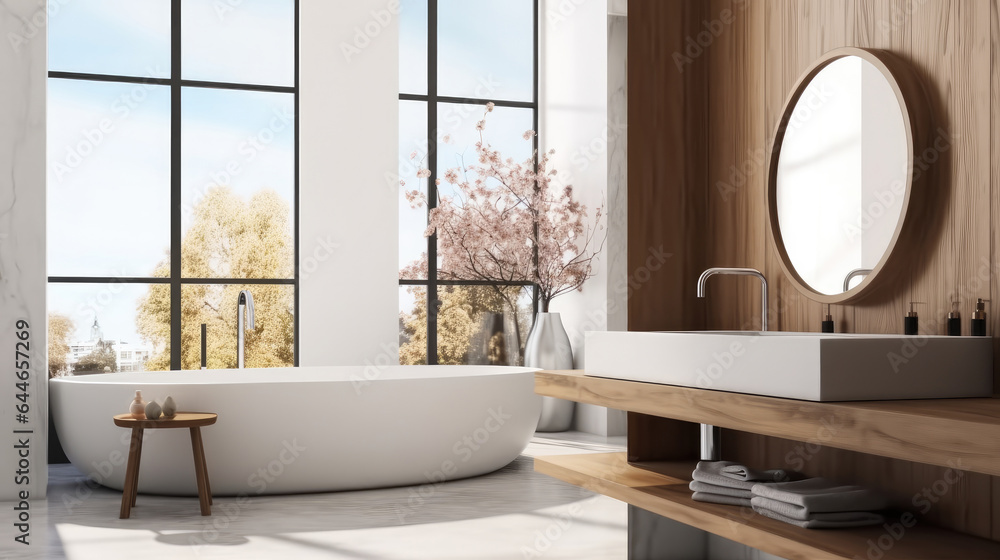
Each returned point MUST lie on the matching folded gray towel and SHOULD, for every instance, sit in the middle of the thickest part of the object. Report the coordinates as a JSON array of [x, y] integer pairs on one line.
[[720, 499], [842, 520], [785, 509], [711, 472], [818, 495], [742, 472], [699, 486]]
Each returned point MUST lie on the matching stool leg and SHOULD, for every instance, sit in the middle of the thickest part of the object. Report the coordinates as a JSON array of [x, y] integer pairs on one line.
[[138, 466], [199, 470], [131, 472], [204, 468]]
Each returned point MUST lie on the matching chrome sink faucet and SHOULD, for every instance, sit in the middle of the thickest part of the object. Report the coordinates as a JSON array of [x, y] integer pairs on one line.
[[244, 304], [739, 272], [711, 436]]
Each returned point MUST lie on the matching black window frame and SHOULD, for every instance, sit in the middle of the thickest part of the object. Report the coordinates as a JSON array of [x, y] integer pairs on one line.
[[177, 85], [432, 99]]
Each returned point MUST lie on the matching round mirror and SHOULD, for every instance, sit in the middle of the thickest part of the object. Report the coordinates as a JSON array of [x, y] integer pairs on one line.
[[840, 174]]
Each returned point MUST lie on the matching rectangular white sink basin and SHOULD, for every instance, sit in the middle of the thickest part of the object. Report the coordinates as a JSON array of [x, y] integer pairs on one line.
[[807, 366]]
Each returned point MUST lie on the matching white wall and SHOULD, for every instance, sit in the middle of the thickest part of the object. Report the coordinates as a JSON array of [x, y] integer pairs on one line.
[[22, 251], [575, 122], [348, 72]]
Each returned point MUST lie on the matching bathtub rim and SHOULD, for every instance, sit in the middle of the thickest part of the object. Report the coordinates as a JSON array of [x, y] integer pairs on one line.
[[300, 374]]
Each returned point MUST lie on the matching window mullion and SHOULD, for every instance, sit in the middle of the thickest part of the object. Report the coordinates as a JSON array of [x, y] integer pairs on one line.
[[432, 111], [175, 185]]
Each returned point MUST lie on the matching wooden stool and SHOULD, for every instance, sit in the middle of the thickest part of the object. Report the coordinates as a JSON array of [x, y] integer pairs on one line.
[[192, 420]]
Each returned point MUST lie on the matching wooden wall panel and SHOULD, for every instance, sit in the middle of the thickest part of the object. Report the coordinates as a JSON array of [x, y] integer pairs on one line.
[[933, 51], [736, 90], [668, 156], [994, 217]]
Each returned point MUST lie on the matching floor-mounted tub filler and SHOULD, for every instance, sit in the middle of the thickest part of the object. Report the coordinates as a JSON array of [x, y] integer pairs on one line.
[[314, 429]]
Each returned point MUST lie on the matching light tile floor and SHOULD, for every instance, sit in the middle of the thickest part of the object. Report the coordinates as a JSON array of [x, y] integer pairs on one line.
[[512, 513]]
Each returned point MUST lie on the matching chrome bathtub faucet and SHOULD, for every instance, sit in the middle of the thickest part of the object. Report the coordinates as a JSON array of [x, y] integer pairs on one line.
[[711, 436], [244, 303]]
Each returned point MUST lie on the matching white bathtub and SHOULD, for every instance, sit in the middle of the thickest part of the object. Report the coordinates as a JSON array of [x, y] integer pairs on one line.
[[317, 429]]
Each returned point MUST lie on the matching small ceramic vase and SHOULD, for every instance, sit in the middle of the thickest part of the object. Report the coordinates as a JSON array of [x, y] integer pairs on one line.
[[153, 410], [138, 407], [169, 408]]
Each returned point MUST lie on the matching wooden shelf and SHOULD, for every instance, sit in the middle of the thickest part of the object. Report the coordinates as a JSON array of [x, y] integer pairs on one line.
[[665, 493], [962, 433]]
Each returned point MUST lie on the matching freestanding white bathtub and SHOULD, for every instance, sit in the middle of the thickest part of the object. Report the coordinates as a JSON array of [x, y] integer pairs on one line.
[[316, 429]]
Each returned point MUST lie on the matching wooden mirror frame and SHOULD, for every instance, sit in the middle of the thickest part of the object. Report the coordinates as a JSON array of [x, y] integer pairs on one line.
[[916, 121]]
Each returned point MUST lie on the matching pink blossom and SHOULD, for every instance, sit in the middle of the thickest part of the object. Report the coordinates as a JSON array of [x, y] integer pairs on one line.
[[423, 173], [413, 155], [490, 106], [528, 135], [503, 215]]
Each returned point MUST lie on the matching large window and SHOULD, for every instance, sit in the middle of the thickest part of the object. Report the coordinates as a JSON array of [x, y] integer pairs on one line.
[[455, 57], [172, 182]]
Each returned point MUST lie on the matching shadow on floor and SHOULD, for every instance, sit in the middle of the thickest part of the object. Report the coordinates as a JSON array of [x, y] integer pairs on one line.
[[514, 489]]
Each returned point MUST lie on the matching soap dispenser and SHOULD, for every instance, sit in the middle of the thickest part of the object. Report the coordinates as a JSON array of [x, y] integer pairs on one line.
[[954, 320], [910, 325], [827, 321], [979, 318]]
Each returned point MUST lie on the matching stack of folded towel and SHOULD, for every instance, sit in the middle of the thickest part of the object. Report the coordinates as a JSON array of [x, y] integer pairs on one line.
[[725, 482], [818, 503]]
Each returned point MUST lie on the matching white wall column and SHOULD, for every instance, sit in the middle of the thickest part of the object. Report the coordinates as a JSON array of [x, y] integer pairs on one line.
[[578, 88], [23, 409], [348, 197]]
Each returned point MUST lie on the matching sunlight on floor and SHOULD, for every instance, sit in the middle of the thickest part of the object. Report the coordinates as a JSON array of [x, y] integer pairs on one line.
[[512, 513]]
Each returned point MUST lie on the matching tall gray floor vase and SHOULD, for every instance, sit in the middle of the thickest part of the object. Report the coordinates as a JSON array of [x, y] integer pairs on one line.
[[548, 347]]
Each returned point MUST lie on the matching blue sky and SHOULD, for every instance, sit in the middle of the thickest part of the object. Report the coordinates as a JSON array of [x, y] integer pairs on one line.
[[109, 143]]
